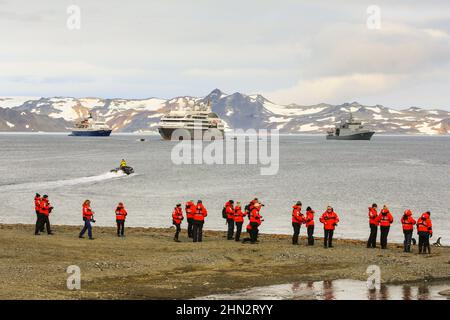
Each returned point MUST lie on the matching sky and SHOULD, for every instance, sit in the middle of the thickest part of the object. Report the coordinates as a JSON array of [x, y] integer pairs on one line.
[[290, 51]]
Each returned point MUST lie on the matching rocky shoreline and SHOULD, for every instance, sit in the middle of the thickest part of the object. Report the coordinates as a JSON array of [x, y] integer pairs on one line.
[[147, 264]]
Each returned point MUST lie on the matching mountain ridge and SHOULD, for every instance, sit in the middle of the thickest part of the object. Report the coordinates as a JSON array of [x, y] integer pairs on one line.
[[238, 110]]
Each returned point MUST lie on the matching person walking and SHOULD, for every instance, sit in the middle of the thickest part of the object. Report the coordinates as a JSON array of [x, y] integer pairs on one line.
[[385, 220], [373, 225], [88, 217], [330, 220], [425, 232], [408, 224], [121, 214], [229, 212], [297, 220], [199, 221], [309, 222], [238, 220]]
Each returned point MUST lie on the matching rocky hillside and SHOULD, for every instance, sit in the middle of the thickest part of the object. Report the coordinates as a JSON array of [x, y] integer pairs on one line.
[[237, 110]]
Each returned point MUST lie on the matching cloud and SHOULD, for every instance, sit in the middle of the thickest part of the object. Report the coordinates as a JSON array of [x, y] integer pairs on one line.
[[335, 89]]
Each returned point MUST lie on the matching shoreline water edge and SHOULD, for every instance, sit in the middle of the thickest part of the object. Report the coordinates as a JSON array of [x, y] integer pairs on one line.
[[148, 264]]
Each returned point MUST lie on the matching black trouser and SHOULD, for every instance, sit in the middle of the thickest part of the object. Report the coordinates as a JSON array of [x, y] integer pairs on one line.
[[238, 231], [197, 231], [230, 223], [424, 242], [37, 220], [190, 226], [310, 230], [296, 227], [46, 222], [120, 227], [328, 238], [408, 239], [254, 232], [372, 242], [177, 230], [39, 223], [383, 237]]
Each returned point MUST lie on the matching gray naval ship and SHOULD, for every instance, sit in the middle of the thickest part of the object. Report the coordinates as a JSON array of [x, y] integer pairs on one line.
[[350, 129]]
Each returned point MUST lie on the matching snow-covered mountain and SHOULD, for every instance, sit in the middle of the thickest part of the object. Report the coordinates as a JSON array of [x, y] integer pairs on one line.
[[237, 110]]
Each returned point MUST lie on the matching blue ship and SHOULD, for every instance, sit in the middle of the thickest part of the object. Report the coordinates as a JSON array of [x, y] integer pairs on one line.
[[90, 128]]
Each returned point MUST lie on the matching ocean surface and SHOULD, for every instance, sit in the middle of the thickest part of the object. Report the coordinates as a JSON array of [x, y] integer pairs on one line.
[[400, 171]]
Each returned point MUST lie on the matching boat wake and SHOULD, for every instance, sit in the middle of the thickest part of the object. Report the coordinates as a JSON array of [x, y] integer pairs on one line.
[[45, 185]]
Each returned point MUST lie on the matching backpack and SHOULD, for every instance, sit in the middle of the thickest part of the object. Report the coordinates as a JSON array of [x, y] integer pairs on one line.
[[224, 213]]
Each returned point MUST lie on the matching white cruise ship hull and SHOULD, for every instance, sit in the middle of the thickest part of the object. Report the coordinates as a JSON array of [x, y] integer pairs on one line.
[[166, 133]]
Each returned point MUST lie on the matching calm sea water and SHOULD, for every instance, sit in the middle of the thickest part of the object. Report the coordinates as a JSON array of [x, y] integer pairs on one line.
[[402, 172]]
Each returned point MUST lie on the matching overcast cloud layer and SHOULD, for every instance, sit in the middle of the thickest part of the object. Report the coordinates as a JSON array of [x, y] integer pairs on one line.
[[303, 52]]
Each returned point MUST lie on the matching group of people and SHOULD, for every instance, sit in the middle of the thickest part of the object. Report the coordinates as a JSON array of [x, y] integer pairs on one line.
[[43, 209], [88, 218], [384, 219], [235, 215], [329, 219]]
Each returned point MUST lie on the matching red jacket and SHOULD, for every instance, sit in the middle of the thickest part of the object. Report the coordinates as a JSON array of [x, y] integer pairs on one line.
[[385, 218], [309, 219], [44, 207], [424, 223], [373, 215], [37, 203], [255, 216], [200, 212], [121, 213], [408, 221], [190, 209], [177, 215], [229, 210], [329, 220], [297, 215], [239, 214], [87, 212]]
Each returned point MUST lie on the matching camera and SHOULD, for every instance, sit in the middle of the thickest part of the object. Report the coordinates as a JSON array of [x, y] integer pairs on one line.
[[92, 220]]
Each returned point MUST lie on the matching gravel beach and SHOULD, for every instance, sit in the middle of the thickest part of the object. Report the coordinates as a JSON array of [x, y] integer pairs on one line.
[[147, 264]]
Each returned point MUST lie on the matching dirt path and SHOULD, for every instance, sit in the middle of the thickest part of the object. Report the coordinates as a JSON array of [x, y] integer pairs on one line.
[[147, 264]]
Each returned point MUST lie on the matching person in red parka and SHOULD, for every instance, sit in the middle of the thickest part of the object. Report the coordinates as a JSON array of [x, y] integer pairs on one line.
[[297, 220], [373, 225], [238, 220], [190, 211], [199, 220], [88, 217], [385, 220], [229, 211], [330, 220], [121, 214], [45, 210], [408, 224], [255, 222], [309, 222], [425, 232], [177, 217], [39, 216]]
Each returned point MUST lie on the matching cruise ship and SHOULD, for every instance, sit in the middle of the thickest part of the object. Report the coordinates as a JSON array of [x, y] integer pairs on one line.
[[350, 129], [89, 127], [198, 118]]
